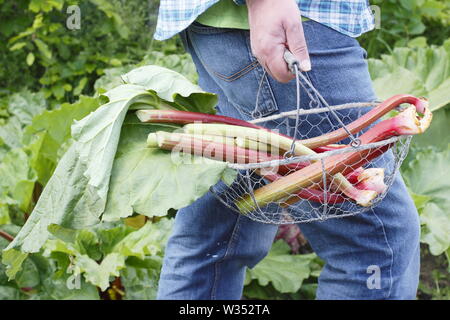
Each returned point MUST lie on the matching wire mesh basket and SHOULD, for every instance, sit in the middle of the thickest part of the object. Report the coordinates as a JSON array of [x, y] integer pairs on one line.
[[302, 165], [324, 186]]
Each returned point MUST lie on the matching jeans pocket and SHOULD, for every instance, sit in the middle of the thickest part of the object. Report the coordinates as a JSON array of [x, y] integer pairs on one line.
[[226, 55]]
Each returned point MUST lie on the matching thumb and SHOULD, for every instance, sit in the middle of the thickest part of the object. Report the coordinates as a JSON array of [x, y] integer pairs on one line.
[[297, 45]]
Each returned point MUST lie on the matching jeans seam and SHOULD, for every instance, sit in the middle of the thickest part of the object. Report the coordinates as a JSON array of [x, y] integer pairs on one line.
[[266, 89], [391, 251], [230, 247], [238, 74]]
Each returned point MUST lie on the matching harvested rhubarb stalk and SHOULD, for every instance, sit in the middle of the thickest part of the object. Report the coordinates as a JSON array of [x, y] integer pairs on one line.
[[352, 177], [406, 123], [366, 120], [264, 136], [307, 194], [362, 197], [372, 179], [185, 117], [206, 146]]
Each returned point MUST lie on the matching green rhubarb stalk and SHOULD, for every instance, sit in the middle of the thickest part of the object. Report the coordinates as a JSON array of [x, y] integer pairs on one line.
[[264, 136], [206, 146]]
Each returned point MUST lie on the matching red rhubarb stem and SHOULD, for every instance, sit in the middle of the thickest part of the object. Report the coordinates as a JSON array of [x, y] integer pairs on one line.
[[6, 236], [366, 120]]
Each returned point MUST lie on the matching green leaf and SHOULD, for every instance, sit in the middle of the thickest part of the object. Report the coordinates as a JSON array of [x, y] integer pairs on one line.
[[437, 135], [49, 130], [26, 105], [148, 240], [428, 176], [28, 276], [11, 133], [285, 271], [17, 178], [10, 293], [43, 48], [140, 278], [17, 46], [428, 173], [144, 180], [30, 58], [437, 221], [172, 87], [99, 274], [13, 260], [4, 214], [60, 289], [418, 42], [79, 88], [417, 71]]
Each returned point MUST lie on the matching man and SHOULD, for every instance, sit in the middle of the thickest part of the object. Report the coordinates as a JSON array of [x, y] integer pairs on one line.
[[374, 255]]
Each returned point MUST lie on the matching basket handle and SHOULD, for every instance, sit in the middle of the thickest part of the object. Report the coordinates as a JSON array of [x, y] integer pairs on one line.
[[291, 61]]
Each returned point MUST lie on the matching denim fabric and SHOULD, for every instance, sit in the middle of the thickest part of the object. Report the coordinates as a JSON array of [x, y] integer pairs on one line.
[[211, 246]]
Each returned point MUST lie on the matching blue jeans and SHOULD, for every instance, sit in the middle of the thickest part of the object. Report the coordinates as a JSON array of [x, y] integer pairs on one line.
[[211, 246]]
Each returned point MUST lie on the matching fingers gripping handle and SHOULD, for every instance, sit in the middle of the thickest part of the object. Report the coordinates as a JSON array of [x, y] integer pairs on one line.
[[291, 61]]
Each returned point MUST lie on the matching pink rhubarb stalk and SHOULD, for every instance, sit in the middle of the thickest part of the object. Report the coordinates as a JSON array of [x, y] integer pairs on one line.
[[372, 179], [366, 120], [362, 197], [205, 148], [185, 117]]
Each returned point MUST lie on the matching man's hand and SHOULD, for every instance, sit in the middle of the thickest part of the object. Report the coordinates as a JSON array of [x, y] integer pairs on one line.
[[274, 26]]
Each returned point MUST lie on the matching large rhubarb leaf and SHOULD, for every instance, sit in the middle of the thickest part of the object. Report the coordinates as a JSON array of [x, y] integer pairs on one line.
[[147, 241], [427, 176], [76, 194], [172, 87], [283, 270], [417, 71]]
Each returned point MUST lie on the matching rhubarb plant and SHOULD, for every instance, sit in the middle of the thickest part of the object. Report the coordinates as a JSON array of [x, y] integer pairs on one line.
[[427, 178], [418, 71]]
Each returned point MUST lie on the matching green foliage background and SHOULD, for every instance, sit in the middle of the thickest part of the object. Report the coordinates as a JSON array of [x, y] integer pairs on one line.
[[51, 76]]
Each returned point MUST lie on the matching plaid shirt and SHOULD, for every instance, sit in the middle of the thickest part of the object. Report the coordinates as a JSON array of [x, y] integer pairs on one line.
[[350, 17]]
